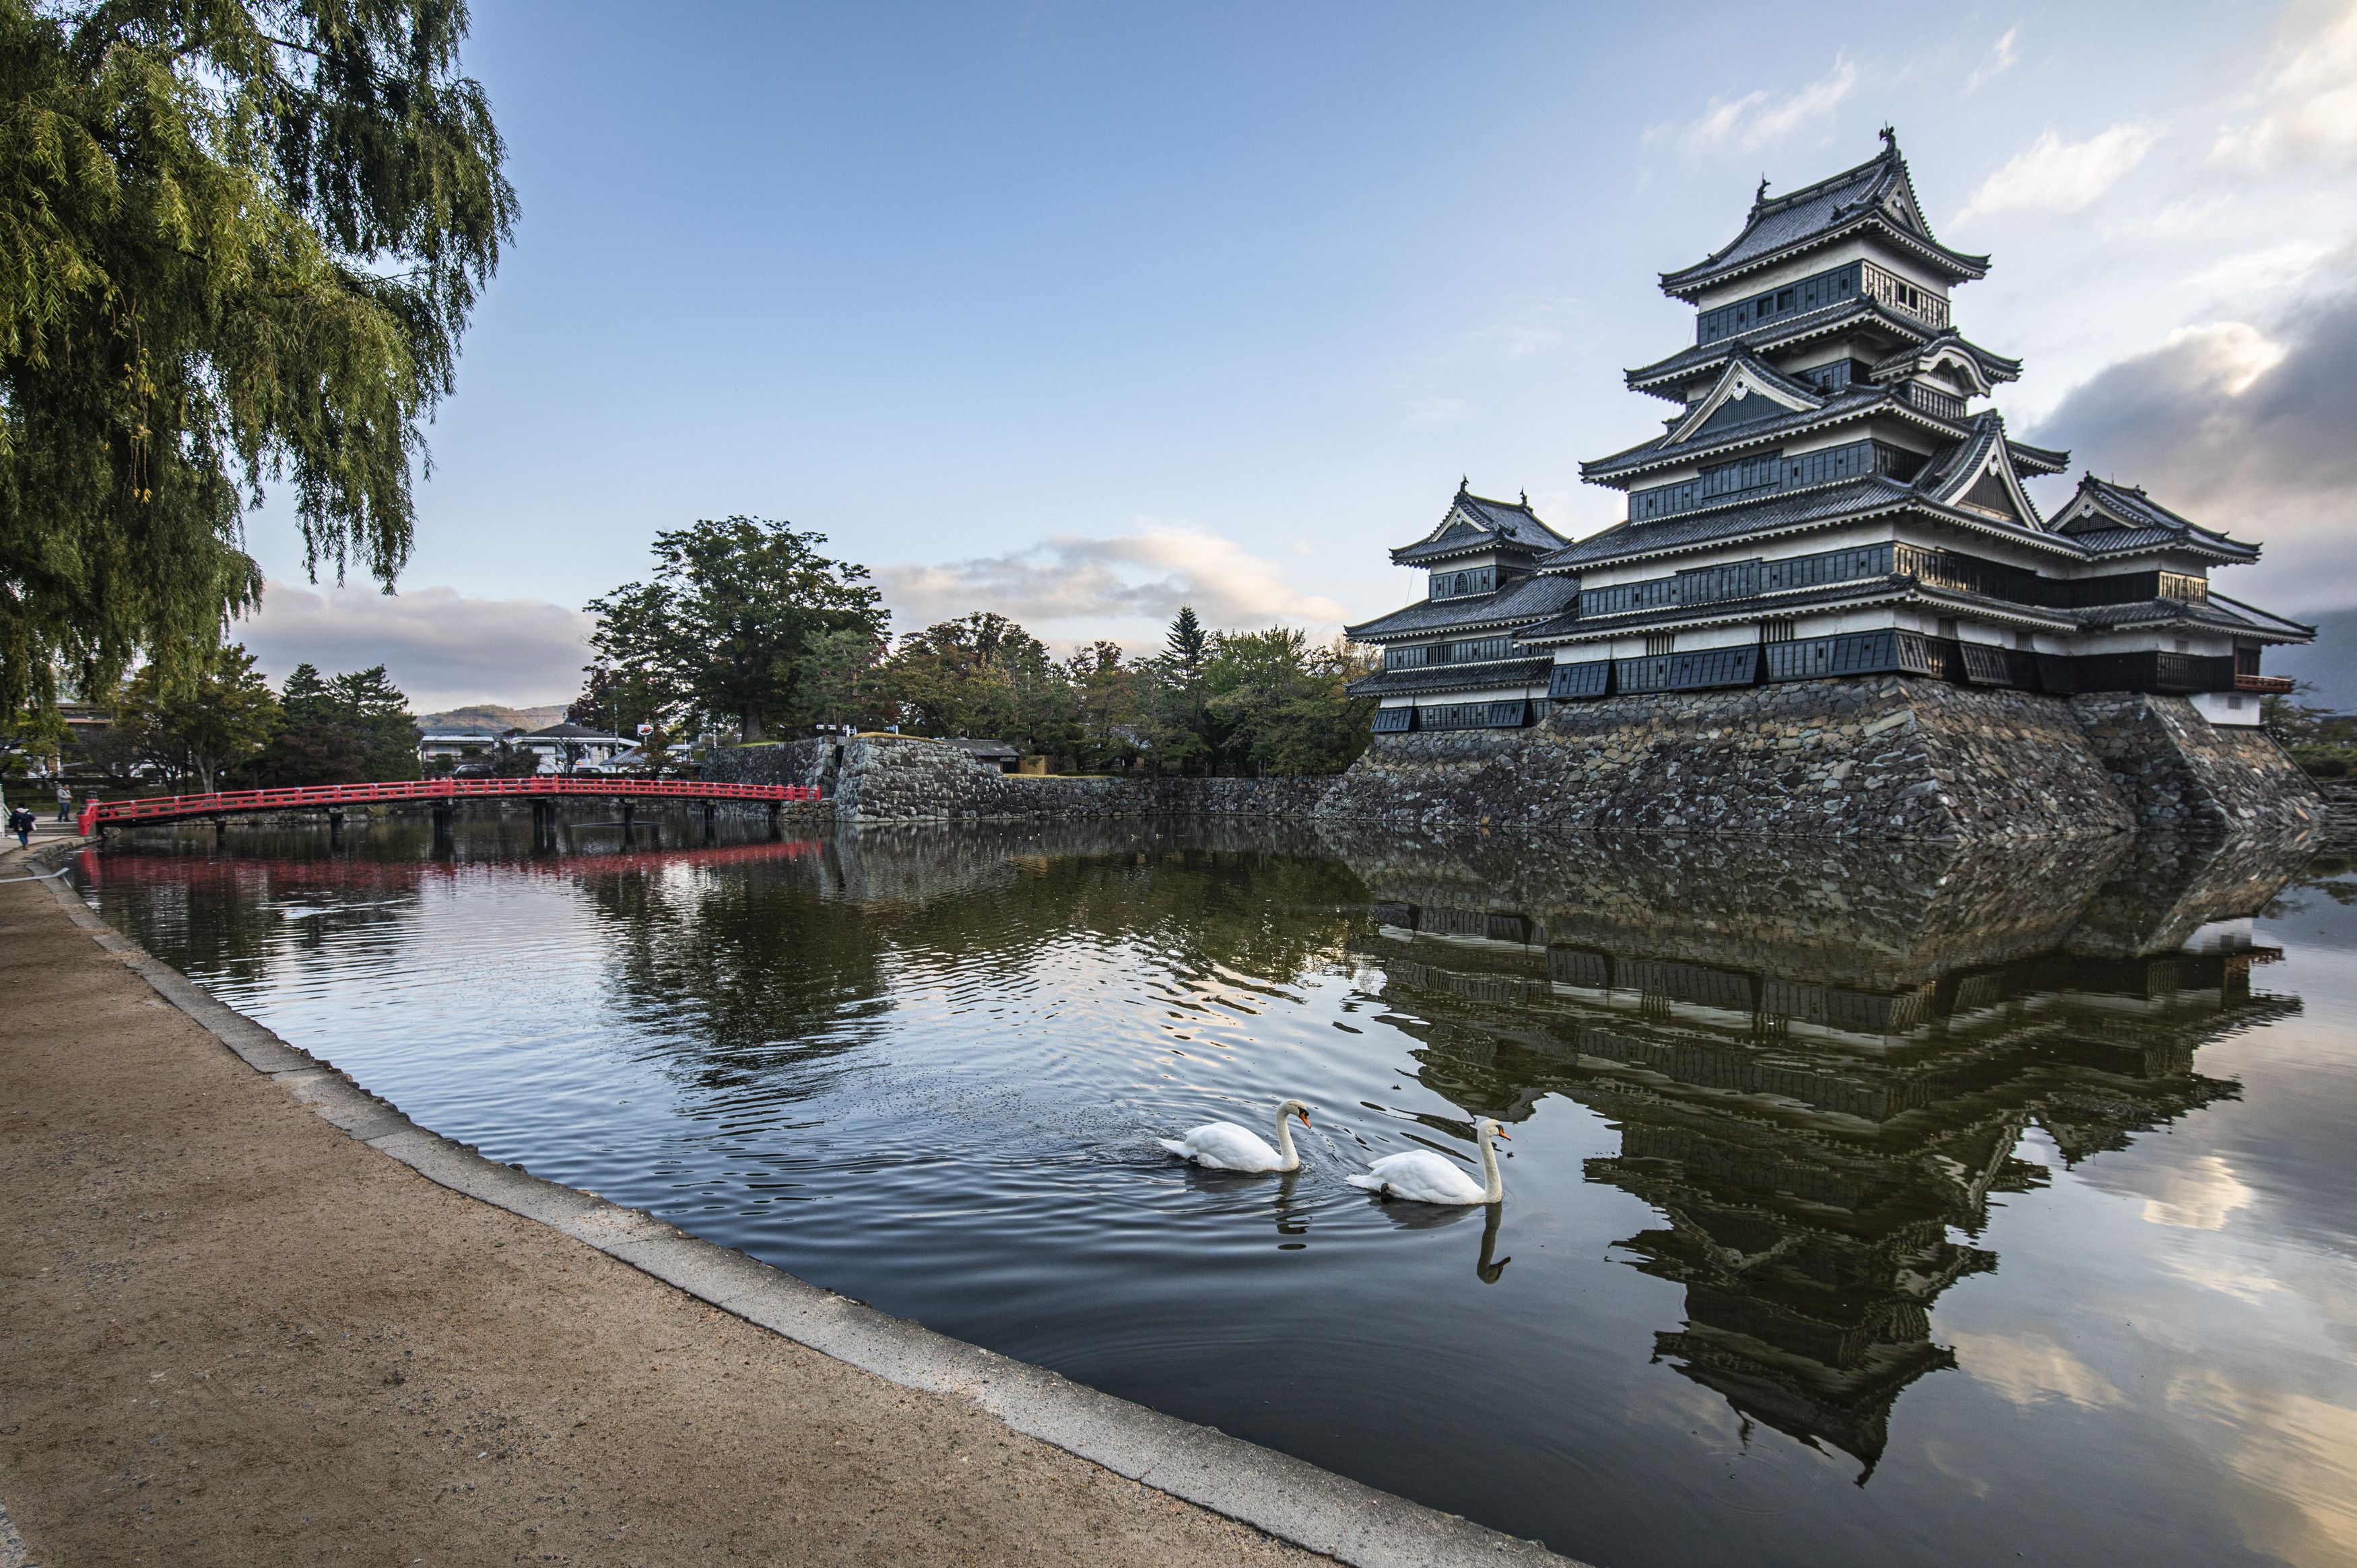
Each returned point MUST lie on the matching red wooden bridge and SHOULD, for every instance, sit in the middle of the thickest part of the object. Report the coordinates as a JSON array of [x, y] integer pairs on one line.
[[440, 791]]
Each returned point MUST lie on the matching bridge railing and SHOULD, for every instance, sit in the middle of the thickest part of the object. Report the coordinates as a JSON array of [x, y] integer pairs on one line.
[[224, 803]]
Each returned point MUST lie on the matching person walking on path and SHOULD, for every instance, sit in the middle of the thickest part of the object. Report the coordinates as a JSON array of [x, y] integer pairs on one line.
[[65, 802], [20, 822]]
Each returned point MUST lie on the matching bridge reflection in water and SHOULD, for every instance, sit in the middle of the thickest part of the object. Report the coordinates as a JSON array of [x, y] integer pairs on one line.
[[1820, 1060]]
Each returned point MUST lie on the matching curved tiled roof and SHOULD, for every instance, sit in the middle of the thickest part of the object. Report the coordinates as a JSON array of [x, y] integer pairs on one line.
[[1524, 599], [1454, 677], [1475, 522], [2109, 519], [1857, 591], [1878, 192], [1827, 503], [1661, 451]]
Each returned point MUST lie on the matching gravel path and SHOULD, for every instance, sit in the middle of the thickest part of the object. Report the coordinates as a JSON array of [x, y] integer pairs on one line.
[[233, 1334]]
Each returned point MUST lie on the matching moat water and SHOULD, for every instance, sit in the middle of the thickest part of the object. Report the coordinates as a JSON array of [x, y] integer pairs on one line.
[[1879, 1206]]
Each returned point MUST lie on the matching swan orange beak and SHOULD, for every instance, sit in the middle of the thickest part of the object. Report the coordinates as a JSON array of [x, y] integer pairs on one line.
[[1305, 1117], [1502, 1136]]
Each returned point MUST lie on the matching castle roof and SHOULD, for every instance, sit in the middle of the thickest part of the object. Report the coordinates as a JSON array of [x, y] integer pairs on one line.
[[1663, 376], [2111, 519], [1524, 599], [1475, 524], [1878, 195], [1455, 678]]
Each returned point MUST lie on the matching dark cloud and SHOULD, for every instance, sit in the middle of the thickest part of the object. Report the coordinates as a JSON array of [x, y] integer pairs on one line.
[[2253, 431], [441, 647]]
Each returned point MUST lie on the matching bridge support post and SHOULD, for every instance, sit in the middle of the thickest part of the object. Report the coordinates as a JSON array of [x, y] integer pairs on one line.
[[221, 830], [630, 820], [776, 821], [709, 825], [543, 824], [335, 827], [442, 815]]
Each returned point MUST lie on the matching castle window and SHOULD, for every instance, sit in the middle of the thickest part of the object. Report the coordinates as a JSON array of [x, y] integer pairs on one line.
[[1459, 585], [1781, 630], [1784, 299], [1658, 643]]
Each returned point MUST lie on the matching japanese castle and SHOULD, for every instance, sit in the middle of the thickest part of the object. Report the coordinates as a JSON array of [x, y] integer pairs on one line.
[[1825, 501]]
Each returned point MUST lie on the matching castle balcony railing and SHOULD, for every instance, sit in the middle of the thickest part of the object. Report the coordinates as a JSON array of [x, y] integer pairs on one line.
[[1897, 294], [2276, 685]]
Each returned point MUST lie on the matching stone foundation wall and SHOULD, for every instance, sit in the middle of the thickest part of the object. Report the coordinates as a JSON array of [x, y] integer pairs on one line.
[[1880, 757], [2178, 773], [901, 779], [1884, 757]]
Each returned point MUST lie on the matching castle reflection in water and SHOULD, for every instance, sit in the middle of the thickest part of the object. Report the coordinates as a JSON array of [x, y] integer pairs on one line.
[[1820, 1058]]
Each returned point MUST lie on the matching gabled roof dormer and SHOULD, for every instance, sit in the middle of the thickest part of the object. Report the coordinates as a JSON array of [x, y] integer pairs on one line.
[[2108, 518], [1477, 525], [1979, 476], [1974, 372], [1746, 392]]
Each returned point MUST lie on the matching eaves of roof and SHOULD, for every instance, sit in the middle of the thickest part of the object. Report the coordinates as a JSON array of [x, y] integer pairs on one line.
[[1789, 333], [1653, 455], [1454, 677], [1524, 599], [2218, 615], [2265, 620], [1786, 512], [2135, 540], [1893, 589], [1708, 274]]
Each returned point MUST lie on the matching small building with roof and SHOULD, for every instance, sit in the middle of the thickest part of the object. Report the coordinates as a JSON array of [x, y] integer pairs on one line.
[[1824, 503]]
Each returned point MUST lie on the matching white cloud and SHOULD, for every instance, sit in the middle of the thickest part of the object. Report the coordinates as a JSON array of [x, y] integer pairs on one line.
[[1756, 120], [2056, 176], [1072, 588], [2313, 99], [2245, 428], [442, 649], [2000, 60], [2197, 1195], [2029, 1368], [2254, 272]]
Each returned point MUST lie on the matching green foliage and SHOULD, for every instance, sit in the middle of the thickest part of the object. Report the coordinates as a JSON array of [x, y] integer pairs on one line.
[[239, 241], [1109, 707], [194, 732], [351, 729], [1187, 645], [984, 676], [739, 623], [1277, 705], [2323, 743]]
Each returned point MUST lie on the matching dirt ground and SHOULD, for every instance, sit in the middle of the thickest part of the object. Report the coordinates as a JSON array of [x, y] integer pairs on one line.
[[230, 1333]]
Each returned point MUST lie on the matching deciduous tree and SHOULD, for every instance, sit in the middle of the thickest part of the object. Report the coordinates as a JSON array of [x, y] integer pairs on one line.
[[239, 241], [732, 620]]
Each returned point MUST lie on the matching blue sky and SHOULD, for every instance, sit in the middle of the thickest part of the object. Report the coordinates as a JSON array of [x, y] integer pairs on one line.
[[1076, 312]]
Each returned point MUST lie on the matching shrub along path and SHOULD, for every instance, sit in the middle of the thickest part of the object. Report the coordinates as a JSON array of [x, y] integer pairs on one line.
[[234, 1334]]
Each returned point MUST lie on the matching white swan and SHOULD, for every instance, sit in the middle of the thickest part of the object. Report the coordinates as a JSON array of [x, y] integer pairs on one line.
[[1224, 1146], [1421, 1176]]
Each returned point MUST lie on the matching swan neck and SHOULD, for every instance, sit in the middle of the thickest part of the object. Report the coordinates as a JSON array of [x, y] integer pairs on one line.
[[1286, 1160], [1493, 1187]]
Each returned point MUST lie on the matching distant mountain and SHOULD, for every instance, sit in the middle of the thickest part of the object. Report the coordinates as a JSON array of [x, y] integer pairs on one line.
[[490, 716], [2329, 663]]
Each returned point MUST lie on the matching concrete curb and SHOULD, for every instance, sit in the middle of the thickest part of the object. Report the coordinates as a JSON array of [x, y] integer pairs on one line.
[[1287, 1498]]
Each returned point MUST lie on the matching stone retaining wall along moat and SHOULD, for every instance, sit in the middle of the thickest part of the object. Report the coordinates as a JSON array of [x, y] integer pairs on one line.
[[880, 778], [1880, 758]]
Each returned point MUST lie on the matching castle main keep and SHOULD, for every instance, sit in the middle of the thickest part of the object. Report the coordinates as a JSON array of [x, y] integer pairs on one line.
[[1831, 607]]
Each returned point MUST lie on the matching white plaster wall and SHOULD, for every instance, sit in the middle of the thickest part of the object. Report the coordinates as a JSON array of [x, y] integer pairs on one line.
[[2228, 708]]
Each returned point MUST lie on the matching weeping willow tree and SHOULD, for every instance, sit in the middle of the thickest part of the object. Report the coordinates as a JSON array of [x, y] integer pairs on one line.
[[239, 241]]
